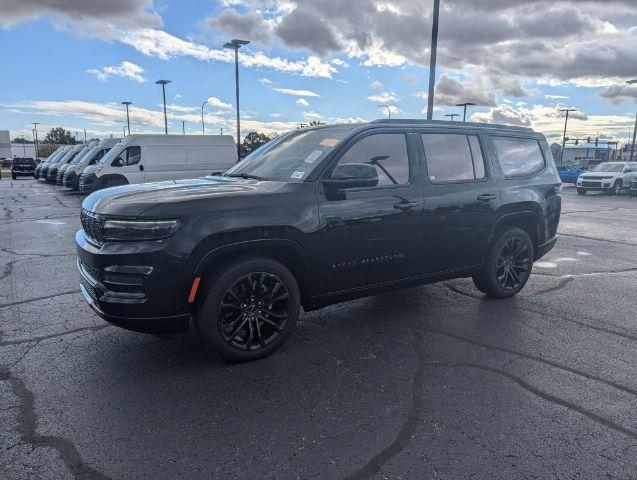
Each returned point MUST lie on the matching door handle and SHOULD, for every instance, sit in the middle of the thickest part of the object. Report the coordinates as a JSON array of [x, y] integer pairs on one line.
[[486, 197], [141, 168], [405, 205]]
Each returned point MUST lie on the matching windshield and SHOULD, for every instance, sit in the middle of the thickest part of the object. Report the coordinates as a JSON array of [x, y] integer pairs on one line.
[[608, 167], [292, 156], [80, 155], [111, 154]]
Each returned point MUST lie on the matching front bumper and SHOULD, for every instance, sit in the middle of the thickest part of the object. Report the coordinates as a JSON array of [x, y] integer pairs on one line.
[[138, 286], [71, 180], [601, 185], [89, 183], [51, 175], [22, 172]]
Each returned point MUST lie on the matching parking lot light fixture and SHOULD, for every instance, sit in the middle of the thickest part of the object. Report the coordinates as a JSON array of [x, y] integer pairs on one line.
[[567, 110], [632, 148], [388, 110], [203, 125], [163, 84], [235, 44], [35, 129], [465, 105], [127, 117], [452, 115]]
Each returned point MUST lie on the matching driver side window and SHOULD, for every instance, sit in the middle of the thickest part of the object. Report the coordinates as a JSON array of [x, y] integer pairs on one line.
[[386, 152], [130, 156]]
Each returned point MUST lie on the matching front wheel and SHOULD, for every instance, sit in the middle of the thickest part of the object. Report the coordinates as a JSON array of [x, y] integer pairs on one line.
[[508, 266], [617, 188], [13, 176], [250, 309], [581, 191]]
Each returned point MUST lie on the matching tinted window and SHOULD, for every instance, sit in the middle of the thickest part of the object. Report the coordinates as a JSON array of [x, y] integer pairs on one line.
[[453, 157], [130, 156], [387, 152], [519, 157]]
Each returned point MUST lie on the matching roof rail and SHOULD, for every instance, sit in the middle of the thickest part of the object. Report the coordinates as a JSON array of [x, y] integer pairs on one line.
[[406, 121]]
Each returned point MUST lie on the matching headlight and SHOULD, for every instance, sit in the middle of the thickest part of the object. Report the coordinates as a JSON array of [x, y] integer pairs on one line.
[[132, 230]]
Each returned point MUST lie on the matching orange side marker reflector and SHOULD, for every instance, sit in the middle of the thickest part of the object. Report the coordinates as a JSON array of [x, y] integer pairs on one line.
[[193, 290]]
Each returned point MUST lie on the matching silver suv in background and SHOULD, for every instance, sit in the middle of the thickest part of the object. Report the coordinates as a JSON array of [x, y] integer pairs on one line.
[[609, 177]]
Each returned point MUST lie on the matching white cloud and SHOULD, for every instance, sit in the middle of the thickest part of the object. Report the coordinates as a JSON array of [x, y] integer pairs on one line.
[[215, 102], [265, 81], [276, 115], [303, 102], [383, 97], [311, 115], [556, 97], [376, 85], [125, 70], [298, 93], [340, 63]]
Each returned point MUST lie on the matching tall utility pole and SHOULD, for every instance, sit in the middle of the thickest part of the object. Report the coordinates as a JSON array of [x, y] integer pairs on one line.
[[567, 110], [388, 110], [632, 149], [35, 129], [183, 127], [127, 117], [236, 44], [163, 89], [432, 60], [452, 115], [85, 136], [203, 125], [465, 105]]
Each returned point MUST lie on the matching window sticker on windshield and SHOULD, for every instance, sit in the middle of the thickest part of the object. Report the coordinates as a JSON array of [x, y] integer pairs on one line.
[[312, 157], [329, 142], [297, 174]]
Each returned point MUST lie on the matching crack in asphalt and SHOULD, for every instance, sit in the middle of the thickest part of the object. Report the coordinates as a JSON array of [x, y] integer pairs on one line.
[[20, 341], [45, 297], [619, 242], [544, 395], [408, 428], [27, 428]]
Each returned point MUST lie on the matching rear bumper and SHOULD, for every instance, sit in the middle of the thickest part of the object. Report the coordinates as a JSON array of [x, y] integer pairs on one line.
[[545, 248]]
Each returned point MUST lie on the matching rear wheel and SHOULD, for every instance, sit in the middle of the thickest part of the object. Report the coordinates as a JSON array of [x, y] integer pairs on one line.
[[250, 309], [508, 266], [581, 191]]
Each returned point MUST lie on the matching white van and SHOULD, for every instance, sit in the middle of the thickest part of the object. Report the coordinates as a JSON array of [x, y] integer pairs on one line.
[[72, 174], [153, 158]]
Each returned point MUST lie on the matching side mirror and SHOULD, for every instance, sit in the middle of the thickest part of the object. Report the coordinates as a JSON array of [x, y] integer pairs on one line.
[[118, 162], [352, 175]]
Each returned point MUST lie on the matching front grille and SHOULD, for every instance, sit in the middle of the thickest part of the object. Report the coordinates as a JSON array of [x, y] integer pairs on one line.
[[591, 184], [93, 272], [92, 226], [92, 291]]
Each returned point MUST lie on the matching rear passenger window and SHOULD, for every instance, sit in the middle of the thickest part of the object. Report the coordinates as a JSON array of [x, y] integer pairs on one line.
[[452, 157], [387, 152], [519, 157]]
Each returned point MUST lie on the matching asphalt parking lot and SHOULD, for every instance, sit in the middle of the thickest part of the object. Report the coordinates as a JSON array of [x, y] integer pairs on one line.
[[427, 383]]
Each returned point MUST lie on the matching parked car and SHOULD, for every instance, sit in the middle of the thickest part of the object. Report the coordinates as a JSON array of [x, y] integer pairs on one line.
[[44, 171], [319, 216], [22, 167], [609, 177], [95, 154], [62, 169], [569, 173], [6, 163], [148, 158], [52, 172], [50, 158]]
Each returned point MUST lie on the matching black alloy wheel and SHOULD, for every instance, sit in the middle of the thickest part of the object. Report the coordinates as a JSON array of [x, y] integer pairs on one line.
[[254, 311], [513, 264]]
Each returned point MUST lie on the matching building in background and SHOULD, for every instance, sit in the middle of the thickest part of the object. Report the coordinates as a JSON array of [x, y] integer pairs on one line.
[[5, 144], [587, 154]]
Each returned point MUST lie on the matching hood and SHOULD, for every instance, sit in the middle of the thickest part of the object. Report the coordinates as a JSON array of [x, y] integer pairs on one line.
[[599, 174], [134, 200]]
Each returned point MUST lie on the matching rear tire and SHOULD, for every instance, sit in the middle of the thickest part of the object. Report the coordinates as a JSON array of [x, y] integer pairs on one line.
[[508, 266], [250, 308], [581, 191]]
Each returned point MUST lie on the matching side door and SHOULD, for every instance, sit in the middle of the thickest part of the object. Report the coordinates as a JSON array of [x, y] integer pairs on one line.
[[129, 164], [461, 198], [372, 235]]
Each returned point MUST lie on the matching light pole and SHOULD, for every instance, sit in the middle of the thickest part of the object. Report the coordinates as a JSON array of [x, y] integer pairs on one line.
[[124, 127], [432, 60], [235, 45], [632, 148], [452, 115], [465, 105], [203, 125], [35, 129], [163, 89], [127, 117], [567, 110], [183, 127], [388, 110]]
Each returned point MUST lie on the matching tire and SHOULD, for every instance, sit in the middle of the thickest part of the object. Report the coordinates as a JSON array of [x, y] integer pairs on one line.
[[508, 266], [617, 188], [13, 176], [236, 301], [581, 191]]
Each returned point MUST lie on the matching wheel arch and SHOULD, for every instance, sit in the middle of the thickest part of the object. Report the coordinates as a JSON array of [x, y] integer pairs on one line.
[[529, 220]]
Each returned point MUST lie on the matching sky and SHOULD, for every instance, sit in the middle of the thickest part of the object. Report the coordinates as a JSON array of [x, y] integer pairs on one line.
[[71, 63]]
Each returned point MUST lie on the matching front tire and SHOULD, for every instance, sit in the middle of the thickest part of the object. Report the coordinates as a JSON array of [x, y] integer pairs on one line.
[[249, 310], [508, 266], [617, 188], [581, 191]]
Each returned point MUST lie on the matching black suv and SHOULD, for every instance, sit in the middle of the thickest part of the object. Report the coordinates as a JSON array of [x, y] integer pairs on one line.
[[319, 216], [22, 167]]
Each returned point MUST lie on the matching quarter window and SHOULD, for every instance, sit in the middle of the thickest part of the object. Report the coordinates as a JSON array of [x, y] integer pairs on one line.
[[452, 157], [387, 152], [519, 157]]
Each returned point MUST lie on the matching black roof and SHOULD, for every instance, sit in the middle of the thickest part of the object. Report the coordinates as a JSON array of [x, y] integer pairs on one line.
[[446, 123]]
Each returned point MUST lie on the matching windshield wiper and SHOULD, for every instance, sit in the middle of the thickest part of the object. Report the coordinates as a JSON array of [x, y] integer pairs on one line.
[[247, 176]]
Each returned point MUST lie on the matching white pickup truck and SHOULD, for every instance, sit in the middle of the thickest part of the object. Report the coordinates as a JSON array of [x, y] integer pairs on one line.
[[610, 177]]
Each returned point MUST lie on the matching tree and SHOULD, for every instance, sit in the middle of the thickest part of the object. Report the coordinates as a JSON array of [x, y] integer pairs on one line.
[[21, 140], [252, 141], [316, 123], [59, 135]]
